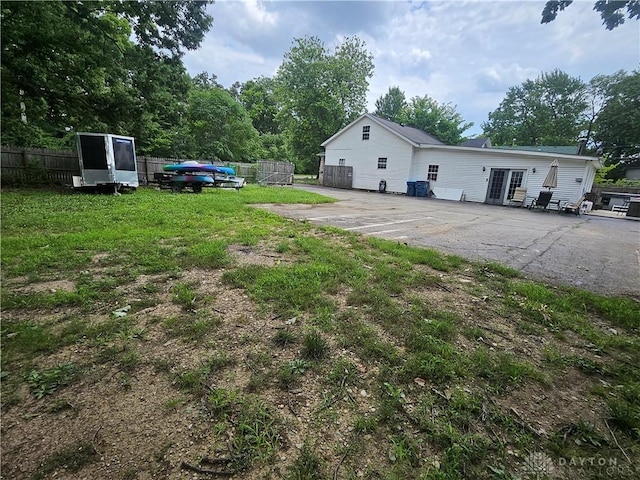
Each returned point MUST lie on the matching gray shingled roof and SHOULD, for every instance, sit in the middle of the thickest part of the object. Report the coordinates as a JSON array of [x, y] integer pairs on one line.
[[562, 149], [414, 135], [474, 142]]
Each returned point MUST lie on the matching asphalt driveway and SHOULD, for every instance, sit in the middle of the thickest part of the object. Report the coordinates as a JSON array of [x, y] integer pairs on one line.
[[597, 253]]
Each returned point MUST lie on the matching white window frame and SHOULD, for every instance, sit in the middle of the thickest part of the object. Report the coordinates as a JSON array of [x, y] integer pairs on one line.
[[366, 131], [432, 173], [382, 163]]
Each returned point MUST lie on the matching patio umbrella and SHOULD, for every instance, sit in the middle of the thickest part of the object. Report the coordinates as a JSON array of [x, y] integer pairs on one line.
[[551, 180]]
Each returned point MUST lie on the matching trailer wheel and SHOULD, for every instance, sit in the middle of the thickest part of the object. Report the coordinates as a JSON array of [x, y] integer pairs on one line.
[[197, 188], [176, 188]]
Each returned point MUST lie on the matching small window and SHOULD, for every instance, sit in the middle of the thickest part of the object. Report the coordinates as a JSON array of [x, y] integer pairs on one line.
[[382, 163], [341, 162], [365, 132], [432, 175]]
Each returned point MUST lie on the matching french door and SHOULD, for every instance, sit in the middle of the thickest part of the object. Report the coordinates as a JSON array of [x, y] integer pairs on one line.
[[502, 184]]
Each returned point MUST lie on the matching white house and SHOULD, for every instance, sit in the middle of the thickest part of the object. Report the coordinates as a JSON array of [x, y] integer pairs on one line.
[[377, 149]]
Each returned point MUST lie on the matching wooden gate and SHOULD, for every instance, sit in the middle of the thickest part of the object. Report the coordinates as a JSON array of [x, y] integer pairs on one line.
[[272, 172], [337, 176]]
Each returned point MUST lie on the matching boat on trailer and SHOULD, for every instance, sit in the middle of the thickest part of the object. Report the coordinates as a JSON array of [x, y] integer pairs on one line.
[[196, 175]]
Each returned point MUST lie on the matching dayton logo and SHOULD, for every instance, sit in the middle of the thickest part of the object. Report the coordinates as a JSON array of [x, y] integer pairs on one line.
[[538, 465]]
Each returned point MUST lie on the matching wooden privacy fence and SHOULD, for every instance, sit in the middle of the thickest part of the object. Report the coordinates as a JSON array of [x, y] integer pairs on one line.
[[271, 172], [38, 166], [20, 166], [337, 176]]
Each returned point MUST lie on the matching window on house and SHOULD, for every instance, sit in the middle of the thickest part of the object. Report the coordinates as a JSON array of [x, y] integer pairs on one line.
[[515, 182], [341, 162], [365, 132], [382, 163], [432, 174]]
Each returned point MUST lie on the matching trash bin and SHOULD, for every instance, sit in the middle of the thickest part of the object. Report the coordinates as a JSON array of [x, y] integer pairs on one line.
[[411, 189], [382, 186], [422, 187]]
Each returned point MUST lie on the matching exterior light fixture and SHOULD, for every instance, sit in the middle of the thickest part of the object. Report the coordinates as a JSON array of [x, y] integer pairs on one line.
[[484, 169], [534, 170]]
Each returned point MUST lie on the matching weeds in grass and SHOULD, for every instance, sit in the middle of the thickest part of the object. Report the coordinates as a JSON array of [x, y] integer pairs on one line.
[[47, 381], [307, 466], [365, 424], [343, 372], [254, 429], [426, 386], [289, 289], [193, 380], [173, 403], [625, 414], [502, 371], [206, 254], [191, 329], [72, 458], [497, 270], [315, 347], [184, 295], [404, 450], [284, 338]]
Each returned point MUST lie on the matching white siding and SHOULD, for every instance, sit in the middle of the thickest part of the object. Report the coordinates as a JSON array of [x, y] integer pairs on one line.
[[363, 156], [462, 169], [458, 168]]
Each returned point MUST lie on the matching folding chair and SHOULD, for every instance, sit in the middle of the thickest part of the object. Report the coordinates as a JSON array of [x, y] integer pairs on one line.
[[542, 201], [519, 196]]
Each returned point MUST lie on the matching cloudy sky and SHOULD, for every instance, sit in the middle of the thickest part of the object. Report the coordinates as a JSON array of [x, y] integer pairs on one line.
[[467, 53]]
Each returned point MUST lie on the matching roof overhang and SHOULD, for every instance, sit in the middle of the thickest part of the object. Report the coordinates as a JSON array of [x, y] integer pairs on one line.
[[597, 162]]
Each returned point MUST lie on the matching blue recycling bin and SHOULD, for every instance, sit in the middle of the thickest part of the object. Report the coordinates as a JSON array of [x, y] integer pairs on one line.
[[422, 187], [411, 189]]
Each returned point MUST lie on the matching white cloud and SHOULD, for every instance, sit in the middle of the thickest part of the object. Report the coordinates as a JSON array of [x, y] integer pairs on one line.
[[466, 53]]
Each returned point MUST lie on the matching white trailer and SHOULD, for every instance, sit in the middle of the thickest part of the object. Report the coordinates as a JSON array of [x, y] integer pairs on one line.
[[106, 160]]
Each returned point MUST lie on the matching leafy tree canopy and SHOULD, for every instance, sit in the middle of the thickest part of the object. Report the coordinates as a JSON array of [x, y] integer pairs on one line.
[[392, 105], [218, 128], [546, 111], [438, 119], [617, 129], [320, 91], [71, 66], [611, 12], [259, 99]]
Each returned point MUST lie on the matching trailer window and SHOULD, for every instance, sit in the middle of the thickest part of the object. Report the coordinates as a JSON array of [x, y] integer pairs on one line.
[[94, 154], [123, 154]]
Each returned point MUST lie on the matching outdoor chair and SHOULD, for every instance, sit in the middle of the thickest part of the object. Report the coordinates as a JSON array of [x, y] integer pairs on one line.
[[519, 196], [573, 207], [542, 201]]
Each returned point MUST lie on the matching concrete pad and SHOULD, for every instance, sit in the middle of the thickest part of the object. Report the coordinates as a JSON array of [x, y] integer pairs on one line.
[[601, 254]]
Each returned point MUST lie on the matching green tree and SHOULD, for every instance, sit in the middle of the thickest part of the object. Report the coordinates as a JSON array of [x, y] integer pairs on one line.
[[597, 95], [259, 99], [438, 119], [392, 105], [320, 92], [350, 68], [617, 128], [546, 111], [71, 66], [218, 128], [611, 12]]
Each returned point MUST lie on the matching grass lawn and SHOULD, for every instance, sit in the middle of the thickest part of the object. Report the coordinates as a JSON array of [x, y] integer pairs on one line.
[[179, 335]]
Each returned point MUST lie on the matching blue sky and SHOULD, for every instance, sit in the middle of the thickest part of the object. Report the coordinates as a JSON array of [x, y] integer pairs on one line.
[[467, 53]]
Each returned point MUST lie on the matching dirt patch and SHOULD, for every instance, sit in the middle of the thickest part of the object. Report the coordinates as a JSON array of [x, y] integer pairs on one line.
[[144, 423], [245, 255], [51, 286]]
